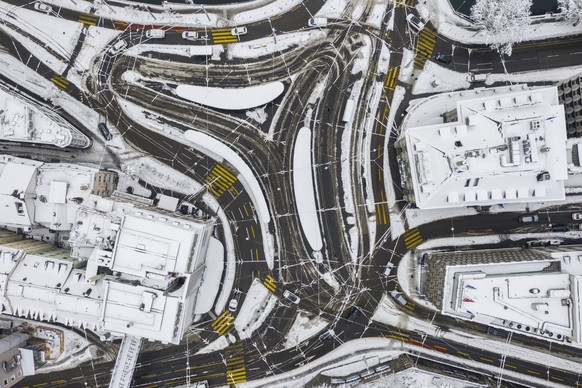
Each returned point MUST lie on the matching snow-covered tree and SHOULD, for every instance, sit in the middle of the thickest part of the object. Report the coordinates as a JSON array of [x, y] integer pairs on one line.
[[504, 21], [572, 10]]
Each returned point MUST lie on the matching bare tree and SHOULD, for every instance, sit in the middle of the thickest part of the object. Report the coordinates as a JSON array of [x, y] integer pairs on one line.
[[572, 10], [504, 21]]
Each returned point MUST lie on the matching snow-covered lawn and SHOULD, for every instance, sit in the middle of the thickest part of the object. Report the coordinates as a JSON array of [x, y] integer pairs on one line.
[[437, 79], [231, 98], [376, 14], [257, 305], [406, 66], [303, 328], [304, 190]]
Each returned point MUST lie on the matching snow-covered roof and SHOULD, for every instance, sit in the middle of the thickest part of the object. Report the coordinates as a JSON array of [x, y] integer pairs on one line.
[[23, 122], [231, 98], [17, 182], [494, 152], [523, 296], [159, 266]]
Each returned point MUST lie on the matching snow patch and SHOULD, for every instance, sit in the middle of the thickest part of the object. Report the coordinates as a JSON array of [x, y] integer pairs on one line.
[[218, 344], [332, 9], [270, 45], [406, 66], [304, 328], [231, 98], [304, 190], [437, 79], [257, 305]]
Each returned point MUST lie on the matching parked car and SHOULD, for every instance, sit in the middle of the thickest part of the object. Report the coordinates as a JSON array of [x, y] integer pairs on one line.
[[577, 216], [104, 131], [237, 31], [415, 22], [397, 296], [291, 297], [317, 22], [444, 58], [155, 34], [529, 218], [42, 7], [560, 228], [233, 304], [190, 35], [389, 268], [474, 78], [118, 47]]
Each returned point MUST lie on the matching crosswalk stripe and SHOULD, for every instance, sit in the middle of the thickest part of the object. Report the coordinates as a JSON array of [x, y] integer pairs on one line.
[[225, 173], [235, 364], [424, 47], [88, 19], [226, 40], [60, 81], [219, 180]]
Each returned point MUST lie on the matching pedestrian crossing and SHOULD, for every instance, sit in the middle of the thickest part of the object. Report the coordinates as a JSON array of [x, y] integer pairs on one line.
[[391, 78], [236, 372], [224, 323], [60, 81], [412, 238], [424, 48], [88, 20], [223, 36], [219, 180], [404, 3], [269, 282]]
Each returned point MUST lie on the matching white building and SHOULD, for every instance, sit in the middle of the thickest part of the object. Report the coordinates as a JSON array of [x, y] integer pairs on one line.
[[483, 147], [36, 194], [23, 121], [534, 292], [146, 274]]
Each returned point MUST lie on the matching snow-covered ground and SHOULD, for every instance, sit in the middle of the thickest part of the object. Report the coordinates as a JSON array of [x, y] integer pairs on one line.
[[275, 44], [268, 10], [136, 15], [376, 14], [303, 328], [458, 29], [407, 66], [304, 191], [416, 217], [417, 378], [94, 44], [231, 98], [349, 353], [396, 224], [256, 307], [218, 344], [438, 79], [332, 9]]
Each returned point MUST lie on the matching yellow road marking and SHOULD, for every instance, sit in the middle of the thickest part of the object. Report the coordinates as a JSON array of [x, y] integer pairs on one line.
[[511, 366], [60, 81], [533, 372], [557, 378], [253, 231], [464, 354], [412, 238], [486, 359], [88, 20], [245, 209], [269, 282], [224, 323]]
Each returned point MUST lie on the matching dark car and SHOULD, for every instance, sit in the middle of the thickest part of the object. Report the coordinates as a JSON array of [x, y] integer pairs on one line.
[[444, 58], [354, 314], [104, 131], [560, 228]]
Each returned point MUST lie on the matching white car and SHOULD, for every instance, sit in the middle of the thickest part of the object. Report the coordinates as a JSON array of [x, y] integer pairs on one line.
[[415, 22], [237, 31], [118, 47], [577, 216], [291, 297], [233, 305], [42, 7], [190, 35]]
